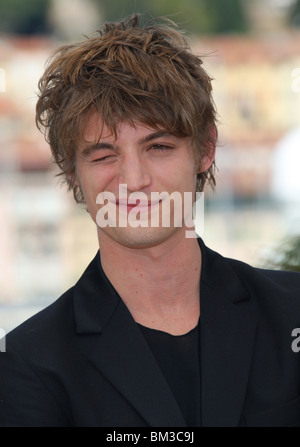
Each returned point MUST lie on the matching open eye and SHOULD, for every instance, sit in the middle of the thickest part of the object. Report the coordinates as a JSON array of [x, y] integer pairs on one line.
[[160, 147]]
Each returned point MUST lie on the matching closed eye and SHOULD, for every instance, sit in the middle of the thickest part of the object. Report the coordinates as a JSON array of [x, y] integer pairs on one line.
[[103, 159]]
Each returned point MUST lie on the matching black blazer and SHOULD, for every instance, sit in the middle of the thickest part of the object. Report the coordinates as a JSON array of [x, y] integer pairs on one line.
[[84, 362]]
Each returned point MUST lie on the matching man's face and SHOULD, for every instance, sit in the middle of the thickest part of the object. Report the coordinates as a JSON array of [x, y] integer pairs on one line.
[[145, 161]]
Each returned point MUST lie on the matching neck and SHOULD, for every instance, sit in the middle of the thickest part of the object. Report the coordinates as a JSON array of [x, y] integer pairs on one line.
[[160, 284]]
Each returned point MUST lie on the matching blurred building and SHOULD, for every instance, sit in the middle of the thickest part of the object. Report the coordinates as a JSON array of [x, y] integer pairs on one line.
[[256, 90], [46, 239], [72, 20], [40, 227]]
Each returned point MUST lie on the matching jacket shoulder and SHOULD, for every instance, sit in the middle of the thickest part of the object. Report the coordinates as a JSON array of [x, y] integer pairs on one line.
[[53, 319], [215, 265], [56, 320], [287, 281], [276, 292]]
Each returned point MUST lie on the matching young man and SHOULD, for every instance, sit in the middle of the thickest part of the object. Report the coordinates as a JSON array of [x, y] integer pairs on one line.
[[159, 330]]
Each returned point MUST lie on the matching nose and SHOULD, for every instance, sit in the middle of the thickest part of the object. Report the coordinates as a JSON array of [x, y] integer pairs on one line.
[[134, 172]]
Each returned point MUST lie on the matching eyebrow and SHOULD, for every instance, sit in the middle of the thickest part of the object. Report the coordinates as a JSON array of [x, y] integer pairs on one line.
[[88, 150], [91, 148], [154, 135]]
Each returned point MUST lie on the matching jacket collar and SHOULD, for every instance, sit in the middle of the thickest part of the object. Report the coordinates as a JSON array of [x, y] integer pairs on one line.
[[228, 327], [120, 352], [95, 300]]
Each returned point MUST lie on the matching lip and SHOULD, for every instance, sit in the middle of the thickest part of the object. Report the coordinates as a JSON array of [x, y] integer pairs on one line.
[[142, 205]]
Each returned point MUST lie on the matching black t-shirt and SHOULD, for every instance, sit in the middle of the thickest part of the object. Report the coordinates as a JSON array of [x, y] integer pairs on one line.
[[178, 357]]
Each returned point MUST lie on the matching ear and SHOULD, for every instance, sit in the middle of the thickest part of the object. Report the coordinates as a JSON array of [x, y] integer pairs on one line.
[[206, 162], [72, 178], [208, 159]]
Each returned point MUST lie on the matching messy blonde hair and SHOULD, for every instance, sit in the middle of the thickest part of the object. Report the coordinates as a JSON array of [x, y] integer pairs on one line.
[[127, 73]]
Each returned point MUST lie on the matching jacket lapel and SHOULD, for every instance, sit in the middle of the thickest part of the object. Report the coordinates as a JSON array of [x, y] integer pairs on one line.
[[119, 350], [126, 360], [228, 325]]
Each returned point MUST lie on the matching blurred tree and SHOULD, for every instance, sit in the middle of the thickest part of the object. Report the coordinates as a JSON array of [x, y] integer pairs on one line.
[[287, 256], [225, 17], [198, 16], [24, 16], [295, 14]]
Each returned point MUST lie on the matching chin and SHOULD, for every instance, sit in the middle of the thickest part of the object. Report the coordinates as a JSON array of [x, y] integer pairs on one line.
[[139, 237]]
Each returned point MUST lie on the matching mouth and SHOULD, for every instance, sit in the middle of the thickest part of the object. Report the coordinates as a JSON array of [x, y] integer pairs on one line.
[[141, 205]]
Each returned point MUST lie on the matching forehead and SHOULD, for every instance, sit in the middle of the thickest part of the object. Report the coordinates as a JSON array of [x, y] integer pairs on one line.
[[95, 129]]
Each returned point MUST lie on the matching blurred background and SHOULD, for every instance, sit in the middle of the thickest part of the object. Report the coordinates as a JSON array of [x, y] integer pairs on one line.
[[252, 50]]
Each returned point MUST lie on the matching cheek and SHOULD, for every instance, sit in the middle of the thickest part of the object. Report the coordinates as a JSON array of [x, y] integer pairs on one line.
[[182, 175], [93, 181]]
